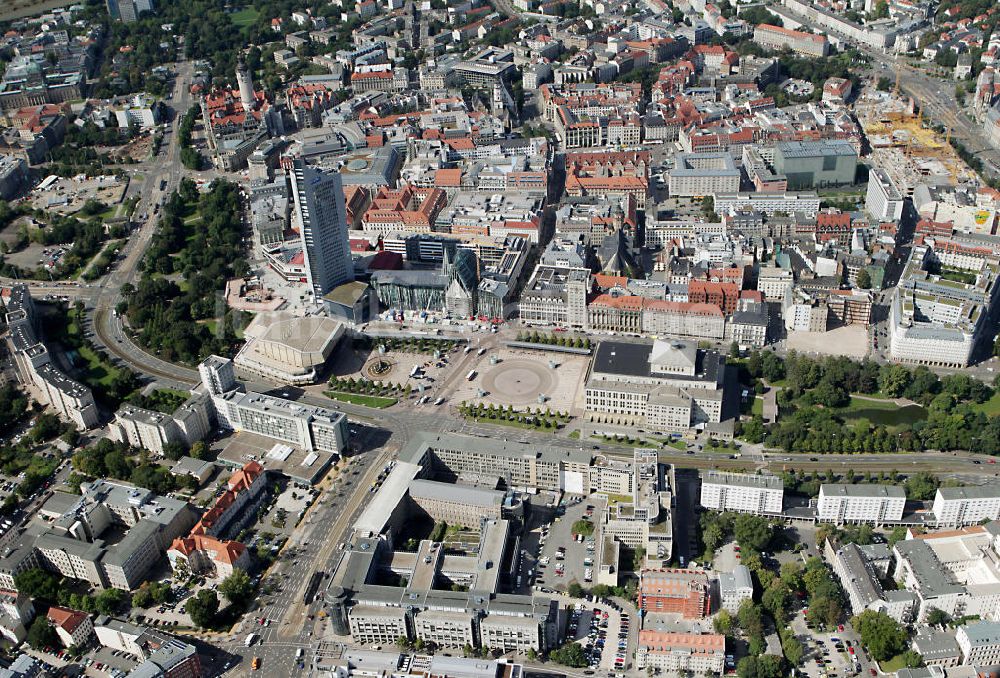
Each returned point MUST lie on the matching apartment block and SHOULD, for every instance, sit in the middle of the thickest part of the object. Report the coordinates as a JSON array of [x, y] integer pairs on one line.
[[209, 548], [878, 504], [681, 653], [980, 643], [860, 579], [76, 544], [960, 506], [35, 366], [742, 492], [152, 430]]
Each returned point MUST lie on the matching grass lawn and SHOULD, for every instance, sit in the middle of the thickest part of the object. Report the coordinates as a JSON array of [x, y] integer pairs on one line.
[[377, 402], [991, 407], [885, 413], [575, 435], [95, 370], [757, 408], [678, 445], [892, 665], [244, 17]]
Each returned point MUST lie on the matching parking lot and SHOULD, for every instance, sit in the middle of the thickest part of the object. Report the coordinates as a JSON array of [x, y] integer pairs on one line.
[[830, 654], [603, 631], [557, 558]]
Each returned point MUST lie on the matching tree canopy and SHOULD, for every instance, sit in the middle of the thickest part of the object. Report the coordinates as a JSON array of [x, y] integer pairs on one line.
[[880, 633], [202, 607]]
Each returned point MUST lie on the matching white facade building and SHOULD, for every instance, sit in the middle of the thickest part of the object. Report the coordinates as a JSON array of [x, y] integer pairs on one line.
[[734, 588], [877, 504], [980, 643], [742, 492], [883, 201], [958, 506], [680, 653]]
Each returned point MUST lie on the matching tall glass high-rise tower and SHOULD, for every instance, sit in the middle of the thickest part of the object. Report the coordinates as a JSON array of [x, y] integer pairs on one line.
[[321, 216]]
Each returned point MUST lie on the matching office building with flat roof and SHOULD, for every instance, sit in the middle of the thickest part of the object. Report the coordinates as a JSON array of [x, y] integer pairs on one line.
[[734, 588], [742, 492], [520, 465], [878, 504], [456, 504], [883, 201], [311, 428], [700, 174], [816, 164]]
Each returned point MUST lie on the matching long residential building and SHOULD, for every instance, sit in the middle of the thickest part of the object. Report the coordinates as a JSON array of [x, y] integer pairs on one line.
[[742, 492], [208, 549], [681, 653], [862, 503], [36, 368], [960, 506], [768, 203]]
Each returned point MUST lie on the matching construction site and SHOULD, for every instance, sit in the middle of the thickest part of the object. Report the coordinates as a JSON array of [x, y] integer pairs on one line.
[[905, 146]]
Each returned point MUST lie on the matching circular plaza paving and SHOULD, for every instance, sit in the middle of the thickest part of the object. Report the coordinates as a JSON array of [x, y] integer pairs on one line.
[[519, 382]]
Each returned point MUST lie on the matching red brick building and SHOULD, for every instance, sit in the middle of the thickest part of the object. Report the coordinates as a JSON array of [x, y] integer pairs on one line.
[[675, 590], [725, 295]]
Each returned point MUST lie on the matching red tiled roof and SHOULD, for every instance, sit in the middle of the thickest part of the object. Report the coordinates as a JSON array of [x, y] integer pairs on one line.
[[66, 619]]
